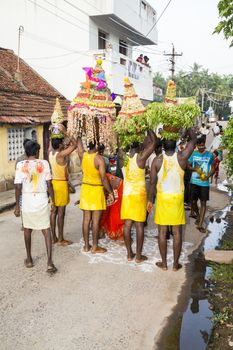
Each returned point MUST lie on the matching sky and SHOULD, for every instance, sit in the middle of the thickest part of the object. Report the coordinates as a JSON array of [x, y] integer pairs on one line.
[[188, 24]]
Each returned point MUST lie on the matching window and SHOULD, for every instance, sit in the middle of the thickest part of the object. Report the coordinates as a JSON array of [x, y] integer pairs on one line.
[[123, 47], [15, 143], [102, 40]]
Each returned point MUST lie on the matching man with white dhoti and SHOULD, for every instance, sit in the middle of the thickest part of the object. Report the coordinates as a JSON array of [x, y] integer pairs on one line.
[[33, 181]]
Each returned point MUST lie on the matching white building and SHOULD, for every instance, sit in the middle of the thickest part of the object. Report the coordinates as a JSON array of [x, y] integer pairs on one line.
[[116, 27]]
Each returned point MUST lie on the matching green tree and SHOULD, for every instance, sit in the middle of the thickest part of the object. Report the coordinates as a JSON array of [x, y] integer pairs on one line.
[[225, 9], [217, 88], [160, 81]]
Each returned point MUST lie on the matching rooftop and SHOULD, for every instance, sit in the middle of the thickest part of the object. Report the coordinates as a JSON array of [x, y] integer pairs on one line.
[[25, 97]]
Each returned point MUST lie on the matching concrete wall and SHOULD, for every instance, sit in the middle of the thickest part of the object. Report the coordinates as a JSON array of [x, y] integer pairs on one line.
[[7, 168]]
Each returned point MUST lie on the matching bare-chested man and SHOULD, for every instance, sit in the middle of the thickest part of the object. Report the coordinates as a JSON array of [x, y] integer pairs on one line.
[[168, 173]]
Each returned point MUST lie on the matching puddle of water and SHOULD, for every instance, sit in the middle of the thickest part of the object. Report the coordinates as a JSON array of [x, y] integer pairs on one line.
[[194, 330]]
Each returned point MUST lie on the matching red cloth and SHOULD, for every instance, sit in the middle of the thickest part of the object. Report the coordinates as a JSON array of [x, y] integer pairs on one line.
[[111, 221], [216, 166]]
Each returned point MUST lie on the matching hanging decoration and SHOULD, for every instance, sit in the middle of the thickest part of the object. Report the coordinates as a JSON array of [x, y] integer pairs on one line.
[[173, 116], [92, 112], [131, 123], [57, 119]]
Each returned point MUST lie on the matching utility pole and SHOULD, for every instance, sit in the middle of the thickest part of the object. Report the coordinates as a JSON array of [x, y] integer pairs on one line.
[[21, 29], [18, 75], [172, 59]]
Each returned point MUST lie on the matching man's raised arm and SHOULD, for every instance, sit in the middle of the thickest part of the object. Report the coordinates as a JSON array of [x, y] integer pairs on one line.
[[186, 153]]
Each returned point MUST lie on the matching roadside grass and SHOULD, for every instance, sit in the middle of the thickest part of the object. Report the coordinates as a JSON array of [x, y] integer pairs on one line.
[[221, 299]]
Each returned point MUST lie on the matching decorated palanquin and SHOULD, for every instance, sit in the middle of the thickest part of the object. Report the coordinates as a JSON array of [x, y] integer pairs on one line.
[[92, 112]]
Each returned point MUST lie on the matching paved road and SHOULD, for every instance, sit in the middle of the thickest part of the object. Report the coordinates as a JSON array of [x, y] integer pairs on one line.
[[92, 302]]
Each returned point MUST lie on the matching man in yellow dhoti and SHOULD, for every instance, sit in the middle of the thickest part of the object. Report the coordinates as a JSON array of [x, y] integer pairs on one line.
[[58, 159], [168, 172], [133, 207], [92, 198]]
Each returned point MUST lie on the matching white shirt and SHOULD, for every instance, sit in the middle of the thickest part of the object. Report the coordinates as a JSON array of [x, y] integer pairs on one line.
[[204, 130], [216, 129], [33, 174]]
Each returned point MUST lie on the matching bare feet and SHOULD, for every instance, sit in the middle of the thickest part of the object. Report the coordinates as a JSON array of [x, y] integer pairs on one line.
[[98, 250], [161, 265], [140, 259], [28, 263], [87, 249], [51, 269], [201, 229], [130, 257], [194, 216], [176, 267], [64, 242], [55, 240]]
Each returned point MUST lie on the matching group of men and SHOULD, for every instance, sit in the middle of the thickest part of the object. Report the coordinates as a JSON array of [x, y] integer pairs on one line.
[[36, 179]]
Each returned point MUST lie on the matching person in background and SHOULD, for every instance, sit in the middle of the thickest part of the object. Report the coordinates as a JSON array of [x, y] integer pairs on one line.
[[111, 222], [23, 156], [216, 167], [58, 159], [133, 208], [33, 181], [201, 163], [167, 177], [217, 145], [216, 129], [146, 60], [204, 131], [140, 58], [92, 198]]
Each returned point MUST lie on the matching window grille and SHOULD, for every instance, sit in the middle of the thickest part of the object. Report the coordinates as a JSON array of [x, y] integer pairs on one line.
[[15, 143]]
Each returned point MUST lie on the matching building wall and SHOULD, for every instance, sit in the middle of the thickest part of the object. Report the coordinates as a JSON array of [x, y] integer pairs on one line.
[[7, 168]]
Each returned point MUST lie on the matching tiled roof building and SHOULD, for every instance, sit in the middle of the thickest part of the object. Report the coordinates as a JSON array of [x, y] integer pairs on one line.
[[26, 104]]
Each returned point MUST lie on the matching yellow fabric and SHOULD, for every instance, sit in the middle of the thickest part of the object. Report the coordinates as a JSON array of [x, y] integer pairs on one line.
[[61, 193], [170, 176], [37, 220], [92, 192], [91, 175], [170, 193], [133, 205], [169, 209], [59, 172]]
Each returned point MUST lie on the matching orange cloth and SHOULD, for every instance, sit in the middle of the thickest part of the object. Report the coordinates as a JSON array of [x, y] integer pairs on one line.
[[111, 221]]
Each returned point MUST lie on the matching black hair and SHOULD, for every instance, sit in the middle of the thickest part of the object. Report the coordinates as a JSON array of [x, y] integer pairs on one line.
[[200, 140], [91, 145], [56, 142], [32, 148], [169, 145], [101, 148], [25, 141], [215, 152], [135, 145]]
